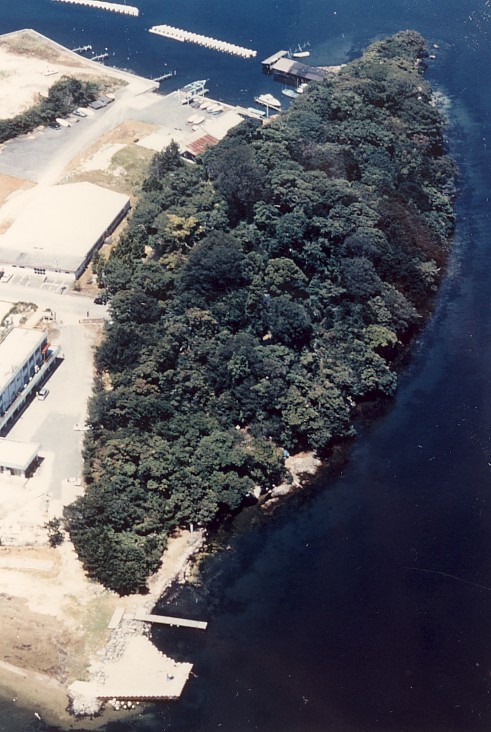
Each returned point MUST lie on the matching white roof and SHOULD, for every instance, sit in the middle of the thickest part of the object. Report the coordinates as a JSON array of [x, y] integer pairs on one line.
[[15, 348], [60, 226], [5, 307], [219, 126], [17, 455], [159, 140]]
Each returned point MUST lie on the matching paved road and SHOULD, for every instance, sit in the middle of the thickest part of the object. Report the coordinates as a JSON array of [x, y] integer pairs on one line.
[[50, 422], [69, 307], [43, 155]]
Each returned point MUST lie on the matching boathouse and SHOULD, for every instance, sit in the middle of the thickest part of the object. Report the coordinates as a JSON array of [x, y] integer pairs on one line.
[[289, 71]]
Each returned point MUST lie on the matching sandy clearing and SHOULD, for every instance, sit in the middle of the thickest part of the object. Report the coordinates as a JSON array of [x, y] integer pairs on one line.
[[30, 66], [9, 185], [102, 159]]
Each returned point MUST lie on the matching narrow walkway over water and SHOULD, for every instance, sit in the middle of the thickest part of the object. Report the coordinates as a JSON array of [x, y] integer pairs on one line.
[[168, 620]]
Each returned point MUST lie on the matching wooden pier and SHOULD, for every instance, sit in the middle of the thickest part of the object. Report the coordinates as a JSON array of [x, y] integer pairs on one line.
[[168, 75], [82, 49], [168, 620], [102, 5], [177, 34], [100, 57]]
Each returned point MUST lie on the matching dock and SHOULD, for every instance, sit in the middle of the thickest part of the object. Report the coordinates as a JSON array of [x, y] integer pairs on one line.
[[168, 620], [102, 5], [178, 34], [289, 71], [100, 57], [82, 49], [165, 76]]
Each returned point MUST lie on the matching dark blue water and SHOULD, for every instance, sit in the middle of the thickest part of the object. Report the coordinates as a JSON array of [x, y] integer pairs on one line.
[[365, 605]]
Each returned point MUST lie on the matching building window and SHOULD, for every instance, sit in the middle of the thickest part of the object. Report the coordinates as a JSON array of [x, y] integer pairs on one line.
[[39, 270]]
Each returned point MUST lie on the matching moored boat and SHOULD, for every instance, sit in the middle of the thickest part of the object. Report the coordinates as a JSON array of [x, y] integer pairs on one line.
[[290, 93], [268, 100]]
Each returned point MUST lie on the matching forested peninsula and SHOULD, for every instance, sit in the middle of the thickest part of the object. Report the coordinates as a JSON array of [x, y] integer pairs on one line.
[[256, 298]]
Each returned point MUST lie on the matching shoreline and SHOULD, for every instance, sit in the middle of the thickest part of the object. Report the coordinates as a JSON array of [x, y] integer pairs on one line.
[[46, 692]]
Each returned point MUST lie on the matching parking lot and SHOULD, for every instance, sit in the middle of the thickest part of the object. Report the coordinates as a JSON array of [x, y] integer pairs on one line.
[[51, 421]]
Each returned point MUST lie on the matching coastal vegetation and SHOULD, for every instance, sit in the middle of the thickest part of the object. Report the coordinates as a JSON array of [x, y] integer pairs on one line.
[[64, 96], [288, 269]]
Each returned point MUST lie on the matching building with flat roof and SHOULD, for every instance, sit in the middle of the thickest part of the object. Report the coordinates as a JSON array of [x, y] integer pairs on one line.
[[18, 458], [61, 228], [22, 354], [290, 71]]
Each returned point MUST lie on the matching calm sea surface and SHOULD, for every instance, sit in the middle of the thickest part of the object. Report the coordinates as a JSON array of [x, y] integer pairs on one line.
[[365, 605]]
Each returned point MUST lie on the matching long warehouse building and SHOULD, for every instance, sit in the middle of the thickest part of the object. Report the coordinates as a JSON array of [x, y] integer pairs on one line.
[[61, 228], [22, 353]]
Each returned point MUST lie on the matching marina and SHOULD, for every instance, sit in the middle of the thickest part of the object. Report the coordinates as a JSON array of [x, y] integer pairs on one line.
[[178, 34], [101, 5]]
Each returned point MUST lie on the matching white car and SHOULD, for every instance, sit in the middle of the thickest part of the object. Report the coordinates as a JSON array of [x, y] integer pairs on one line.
[[43, 393]]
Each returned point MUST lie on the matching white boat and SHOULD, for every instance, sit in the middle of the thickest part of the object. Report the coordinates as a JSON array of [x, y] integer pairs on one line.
[[257, 113], [290, 93], [268, 100], [300, 51]]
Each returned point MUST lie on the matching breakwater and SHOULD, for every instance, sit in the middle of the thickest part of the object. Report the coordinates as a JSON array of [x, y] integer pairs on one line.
[[177, 34], [114, 7]]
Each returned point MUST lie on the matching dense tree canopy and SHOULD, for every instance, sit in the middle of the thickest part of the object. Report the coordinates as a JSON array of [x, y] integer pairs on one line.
[[289, 268]]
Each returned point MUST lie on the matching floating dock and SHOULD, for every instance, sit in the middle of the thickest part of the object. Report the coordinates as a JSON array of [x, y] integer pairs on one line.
[[113, 7], [177, 34]]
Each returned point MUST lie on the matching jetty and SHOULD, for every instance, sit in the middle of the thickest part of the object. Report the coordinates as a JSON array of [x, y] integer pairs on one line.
[[141, 615], [100, 56], [82, 49], [167, 75], [178, 34], [102, 5]]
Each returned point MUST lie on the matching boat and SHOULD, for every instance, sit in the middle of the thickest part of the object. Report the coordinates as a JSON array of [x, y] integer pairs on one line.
[[290, 93], [257, 113], [268, 100], [301, 52]]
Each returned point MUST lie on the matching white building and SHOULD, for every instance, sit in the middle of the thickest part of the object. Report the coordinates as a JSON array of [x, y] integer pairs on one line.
[[22, 354], [61, 228], [18, 458]]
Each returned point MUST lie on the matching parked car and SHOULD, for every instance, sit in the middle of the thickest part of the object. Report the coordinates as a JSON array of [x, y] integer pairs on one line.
[[100, 300], [43, 393], [55, 126], [79, 113]]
